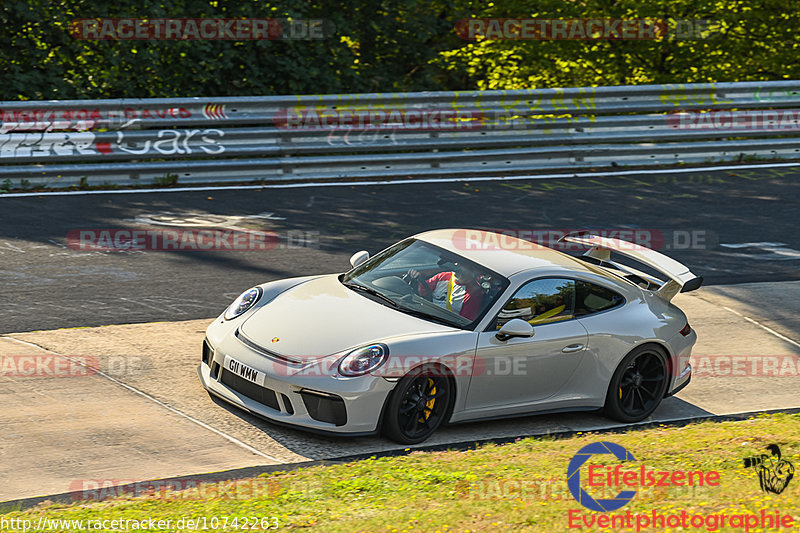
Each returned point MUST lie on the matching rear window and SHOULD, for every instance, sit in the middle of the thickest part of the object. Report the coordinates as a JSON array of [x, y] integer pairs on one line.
[[591, 298]]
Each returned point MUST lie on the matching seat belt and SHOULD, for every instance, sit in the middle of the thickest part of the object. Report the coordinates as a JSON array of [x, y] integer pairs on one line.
[[450, 291]]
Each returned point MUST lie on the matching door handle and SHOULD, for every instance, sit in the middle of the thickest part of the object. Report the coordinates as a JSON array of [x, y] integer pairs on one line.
[[572, 348]]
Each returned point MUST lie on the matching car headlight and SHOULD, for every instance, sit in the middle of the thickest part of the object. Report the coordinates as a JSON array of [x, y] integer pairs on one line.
[[363, 360], [245, 301]]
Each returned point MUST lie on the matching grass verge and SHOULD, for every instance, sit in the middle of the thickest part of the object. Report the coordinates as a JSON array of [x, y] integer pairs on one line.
[[520, 486]]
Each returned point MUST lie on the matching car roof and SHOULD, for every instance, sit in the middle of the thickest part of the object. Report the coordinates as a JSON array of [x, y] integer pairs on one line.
[[505, 254]]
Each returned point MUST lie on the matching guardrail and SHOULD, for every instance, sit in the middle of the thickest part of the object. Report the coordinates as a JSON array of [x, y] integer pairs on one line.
[[395, 135]]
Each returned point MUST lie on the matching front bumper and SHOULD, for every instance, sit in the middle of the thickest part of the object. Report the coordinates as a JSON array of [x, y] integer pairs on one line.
[[310, 398]]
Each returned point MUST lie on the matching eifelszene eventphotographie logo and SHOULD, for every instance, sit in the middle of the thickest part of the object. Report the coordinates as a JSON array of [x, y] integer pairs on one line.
[[774, 472], [590, 475], [574, 477]]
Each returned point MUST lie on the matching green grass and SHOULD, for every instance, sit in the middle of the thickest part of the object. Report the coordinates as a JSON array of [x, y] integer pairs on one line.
[[167, 180], [520, 486]]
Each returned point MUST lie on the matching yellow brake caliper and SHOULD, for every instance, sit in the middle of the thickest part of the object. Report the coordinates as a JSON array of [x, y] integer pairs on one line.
[[430, 403]]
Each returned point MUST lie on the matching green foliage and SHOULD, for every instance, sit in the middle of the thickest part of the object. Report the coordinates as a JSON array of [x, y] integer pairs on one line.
[[745, 41], [166, 180], [374, 47], [381, 46], [519, 486]]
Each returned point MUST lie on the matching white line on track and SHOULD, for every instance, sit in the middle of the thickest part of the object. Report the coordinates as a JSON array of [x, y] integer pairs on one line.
[[762, 326], [400, 182], [222, 434]]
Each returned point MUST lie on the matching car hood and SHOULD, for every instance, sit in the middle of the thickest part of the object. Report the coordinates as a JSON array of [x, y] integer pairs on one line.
[[323, 317]]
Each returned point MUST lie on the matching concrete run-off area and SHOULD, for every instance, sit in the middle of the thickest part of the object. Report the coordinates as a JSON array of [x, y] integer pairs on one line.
[[118, 404]]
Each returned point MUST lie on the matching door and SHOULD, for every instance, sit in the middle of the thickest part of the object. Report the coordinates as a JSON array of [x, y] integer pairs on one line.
[[519, 372]]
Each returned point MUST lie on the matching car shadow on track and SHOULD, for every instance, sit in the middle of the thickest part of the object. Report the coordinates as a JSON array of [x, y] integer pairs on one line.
[[319, 447]]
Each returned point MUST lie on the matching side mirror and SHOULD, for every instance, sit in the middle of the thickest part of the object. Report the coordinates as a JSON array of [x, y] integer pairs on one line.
[[516, 327], [359, 257]]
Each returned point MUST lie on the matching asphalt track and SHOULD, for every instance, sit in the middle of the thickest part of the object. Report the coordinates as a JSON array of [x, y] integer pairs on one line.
[[143, 414], [59, 432], [44, 284]]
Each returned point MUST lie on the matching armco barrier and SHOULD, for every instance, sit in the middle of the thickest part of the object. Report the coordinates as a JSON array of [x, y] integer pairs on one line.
[[395, 135]]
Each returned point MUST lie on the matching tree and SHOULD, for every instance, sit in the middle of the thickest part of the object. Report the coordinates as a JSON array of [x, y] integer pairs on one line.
[[383, 46]]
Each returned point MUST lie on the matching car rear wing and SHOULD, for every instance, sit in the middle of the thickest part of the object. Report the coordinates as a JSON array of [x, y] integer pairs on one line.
[[680, 277]]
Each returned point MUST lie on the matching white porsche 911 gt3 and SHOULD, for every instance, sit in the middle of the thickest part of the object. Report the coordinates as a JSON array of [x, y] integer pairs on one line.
[[454, 326]]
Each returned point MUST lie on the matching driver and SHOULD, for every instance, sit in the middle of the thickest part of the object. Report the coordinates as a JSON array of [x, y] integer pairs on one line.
[[456, 290]]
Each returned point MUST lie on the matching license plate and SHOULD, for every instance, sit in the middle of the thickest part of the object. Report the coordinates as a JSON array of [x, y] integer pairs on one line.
[[242, 370]]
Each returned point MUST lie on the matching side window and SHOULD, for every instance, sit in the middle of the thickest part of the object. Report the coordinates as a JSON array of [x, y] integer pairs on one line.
[[540, 301], [592, 298]]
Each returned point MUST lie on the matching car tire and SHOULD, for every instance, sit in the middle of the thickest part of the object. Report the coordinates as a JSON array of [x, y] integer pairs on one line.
[[638, 384], [419, 404]]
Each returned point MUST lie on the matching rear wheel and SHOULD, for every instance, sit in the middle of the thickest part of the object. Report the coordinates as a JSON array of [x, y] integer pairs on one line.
[[638, 385], [418, 405]]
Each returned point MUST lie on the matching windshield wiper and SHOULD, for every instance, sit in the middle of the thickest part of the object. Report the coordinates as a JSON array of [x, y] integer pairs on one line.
[[370, 290], [432, 318]]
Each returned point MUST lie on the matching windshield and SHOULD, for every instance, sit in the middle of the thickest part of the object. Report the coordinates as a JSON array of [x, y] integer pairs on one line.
[[418, 278]]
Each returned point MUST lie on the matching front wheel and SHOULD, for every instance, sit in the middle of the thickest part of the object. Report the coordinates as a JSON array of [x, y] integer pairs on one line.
[[418, 405], [638, 385]]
